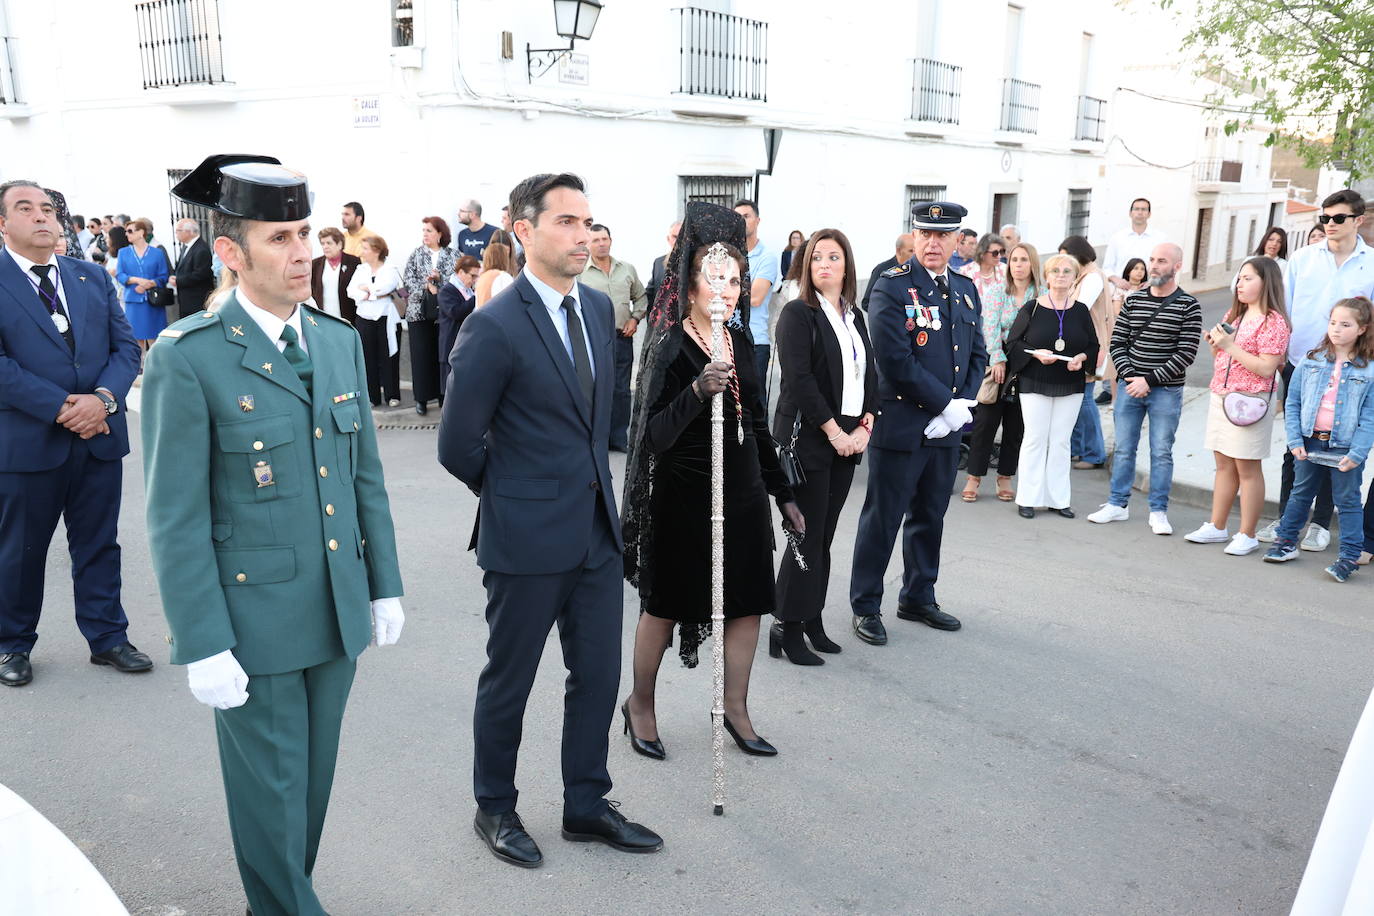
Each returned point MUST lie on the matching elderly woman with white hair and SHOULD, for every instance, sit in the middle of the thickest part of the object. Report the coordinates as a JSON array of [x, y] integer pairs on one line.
[[1049, 348]]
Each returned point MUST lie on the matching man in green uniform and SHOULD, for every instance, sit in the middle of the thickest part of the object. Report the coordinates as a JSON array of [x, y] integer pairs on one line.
[[268, 519]]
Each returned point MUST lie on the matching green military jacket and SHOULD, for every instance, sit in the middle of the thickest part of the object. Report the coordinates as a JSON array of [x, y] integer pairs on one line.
[[268, 517]]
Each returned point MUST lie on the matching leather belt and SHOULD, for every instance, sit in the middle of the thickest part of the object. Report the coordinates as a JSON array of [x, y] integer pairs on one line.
[[1323, 436]]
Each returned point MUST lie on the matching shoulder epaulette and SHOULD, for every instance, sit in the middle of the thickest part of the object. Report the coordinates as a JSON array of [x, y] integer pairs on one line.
[[189, 324], [901, 270]]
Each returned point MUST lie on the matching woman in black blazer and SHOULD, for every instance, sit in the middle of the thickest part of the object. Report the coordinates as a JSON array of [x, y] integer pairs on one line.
[[829, 396]]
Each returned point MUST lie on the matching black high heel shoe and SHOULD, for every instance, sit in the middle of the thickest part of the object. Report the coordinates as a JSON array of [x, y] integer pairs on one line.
[[651, 749], [815, 631], [755, 746], [783, 639]]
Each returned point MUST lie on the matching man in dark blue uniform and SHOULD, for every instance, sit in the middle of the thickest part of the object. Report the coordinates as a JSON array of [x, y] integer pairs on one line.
[[924, 320]]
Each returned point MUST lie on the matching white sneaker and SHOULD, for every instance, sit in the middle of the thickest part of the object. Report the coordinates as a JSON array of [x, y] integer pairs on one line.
[[1318, 538], [1208, 534], [1269, 533], [1110, 513], [1242, 544], [1159, 523]]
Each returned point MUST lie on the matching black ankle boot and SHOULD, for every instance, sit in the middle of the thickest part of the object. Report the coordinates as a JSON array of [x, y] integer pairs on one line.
[[815, 631], [786, 638]]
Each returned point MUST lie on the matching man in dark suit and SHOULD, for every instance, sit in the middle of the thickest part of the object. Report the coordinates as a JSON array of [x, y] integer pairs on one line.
[[928, 346], [906, 247], [656, 272], [193, 277], [67, 360], [530, 436]]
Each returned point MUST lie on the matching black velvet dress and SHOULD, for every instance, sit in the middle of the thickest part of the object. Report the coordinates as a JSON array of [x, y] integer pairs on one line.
[[679, 434]]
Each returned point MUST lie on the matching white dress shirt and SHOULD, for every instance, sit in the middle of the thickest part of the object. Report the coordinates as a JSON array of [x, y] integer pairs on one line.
[[853, 354], [553, 301], [25, 265], [329, 283], [1128, 244], [270, 324]]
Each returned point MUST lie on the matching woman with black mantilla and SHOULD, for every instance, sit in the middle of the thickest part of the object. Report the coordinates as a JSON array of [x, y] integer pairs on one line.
[[666, 514]]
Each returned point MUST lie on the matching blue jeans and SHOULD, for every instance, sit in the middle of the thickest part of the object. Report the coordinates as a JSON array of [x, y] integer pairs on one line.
[[1163, 406], [1345, 493], [1086, 441]]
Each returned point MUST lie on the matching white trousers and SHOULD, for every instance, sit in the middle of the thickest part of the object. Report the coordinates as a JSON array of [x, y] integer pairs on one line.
[[1043, 471]]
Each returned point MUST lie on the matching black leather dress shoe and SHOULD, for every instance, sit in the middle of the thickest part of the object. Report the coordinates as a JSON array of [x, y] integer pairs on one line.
[[15, 670], [421, 407], [1025, 511], [124, 658], [930, 615], [505, 836], [613, 829], [1066, 512], [869, 628]]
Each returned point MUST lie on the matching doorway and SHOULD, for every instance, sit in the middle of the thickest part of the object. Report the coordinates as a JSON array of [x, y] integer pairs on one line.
[[1003, 211], [1204, 233]]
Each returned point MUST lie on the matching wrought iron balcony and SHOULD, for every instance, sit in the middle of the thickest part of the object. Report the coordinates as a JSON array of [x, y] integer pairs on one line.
[[1092, 118], [722, 55], [1020, 106], [1213, 171], [9, 87], [179, 43], [935, 91]]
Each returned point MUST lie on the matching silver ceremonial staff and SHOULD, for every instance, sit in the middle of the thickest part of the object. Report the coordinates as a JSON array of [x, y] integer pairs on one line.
[[713, 268]]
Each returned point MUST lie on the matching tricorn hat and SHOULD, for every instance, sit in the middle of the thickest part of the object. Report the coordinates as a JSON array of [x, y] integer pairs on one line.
[[249, 187]]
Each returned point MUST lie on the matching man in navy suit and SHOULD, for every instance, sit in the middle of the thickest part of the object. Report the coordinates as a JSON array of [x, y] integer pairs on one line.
[[67, 359], [928, 346], [529, 434]]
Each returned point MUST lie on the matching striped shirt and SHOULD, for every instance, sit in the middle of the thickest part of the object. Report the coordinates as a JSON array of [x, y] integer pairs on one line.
[[1157, 338]]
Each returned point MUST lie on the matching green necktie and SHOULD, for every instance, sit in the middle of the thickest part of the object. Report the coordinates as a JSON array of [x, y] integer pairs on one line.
[[298, 358]]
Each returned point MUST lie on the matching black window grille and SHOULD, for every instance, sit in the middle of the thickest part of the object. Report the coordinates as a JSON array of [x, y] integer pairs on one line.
[[9, 86], [1091, 118], [919, 194], [181, 210], [715, 189], [402, 23], [935, 91], [179, 43], [1020, 106], [1080, 205], [722, 55]]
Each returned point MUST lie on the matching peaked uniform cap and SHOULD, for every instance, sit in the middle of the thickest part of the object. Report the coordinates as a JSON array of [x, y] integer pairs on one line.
[[248, 187], [937, 216]]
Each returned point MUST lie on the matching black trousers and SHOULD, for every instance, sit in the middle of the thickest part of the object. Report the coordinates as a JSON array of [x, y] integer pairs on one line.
[[801, 595], [620, 402], [586, 604], [383, 370], [84, 491], [910, 491], [424, 360], [1324, 507], [986, 419]]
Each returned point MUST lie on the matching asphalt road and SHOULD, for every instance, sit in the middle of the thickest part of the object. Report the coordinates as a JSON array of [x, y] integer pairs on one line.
[[1126, 724]]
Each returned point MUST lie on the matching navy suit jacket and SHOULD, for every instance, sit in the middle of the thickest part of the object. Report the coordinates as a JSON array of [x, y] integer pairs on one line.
[[38, 370], [916, 381], [518, 431]]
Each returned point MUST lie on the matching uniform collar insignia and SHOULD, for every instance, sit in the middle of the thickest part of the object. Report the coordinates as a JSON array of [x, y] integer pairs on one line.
[[268, 367]]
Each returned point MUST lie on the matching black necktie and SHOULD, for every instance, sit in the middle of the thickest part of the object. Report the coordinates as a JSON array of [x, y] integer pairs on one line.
[[47, 293], [579, 348], [943, 284]]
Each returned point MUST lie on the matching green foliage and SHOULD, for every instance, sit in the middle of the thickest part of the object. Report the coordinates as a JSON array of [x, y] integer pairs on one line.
[[1302, 66]]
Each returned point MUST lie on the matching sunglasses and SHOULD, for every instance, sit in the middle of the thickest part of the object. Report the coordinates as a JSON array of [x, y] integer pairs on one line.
[[997, 251], [1337, 218]]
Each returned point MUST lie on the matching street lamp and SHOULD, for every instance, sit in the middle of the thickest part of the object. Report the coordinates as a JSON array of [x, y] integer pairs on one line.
[[573, 19]]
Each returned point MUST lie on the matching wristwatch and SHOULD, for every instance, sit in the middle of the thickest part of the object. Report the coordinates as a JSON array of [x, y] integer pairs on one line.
[[111, 405]]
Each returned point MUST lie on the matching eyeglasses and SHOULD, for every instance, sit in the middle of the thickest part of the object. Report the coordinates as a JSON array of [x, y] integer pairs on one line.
[[1337, 218], [997, 251]]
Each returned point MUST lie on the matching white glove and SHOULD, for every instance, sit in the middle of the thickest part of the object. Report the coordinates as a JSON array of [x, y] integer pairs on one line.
[[218, 681], [937, 428], [387, 620], [958, 413]]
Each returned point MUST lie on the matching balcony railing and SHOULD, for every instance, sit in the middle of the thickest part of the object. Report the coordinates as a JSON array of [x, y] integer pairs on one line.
[[722, 55], [1091, 118], [935, 91], [179, 43], [1210, 171], [1020, 105], [9, 87]]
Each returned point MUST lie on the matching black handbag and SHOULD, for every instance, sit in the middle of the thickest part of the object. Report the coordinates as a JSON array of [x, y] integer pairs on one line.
[[161, 297], [789, 460], [429, 306]]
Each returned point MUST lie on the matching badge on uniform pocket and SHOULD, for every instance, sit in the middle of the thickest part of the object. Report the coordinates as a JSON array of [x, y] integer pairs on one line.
[[246, 403], [921, 339], [262, 474]]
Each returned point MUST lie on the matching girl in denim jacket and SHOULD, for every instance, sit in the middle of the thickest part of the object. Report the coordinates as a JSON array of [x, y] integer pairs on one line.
[[1329, 419]]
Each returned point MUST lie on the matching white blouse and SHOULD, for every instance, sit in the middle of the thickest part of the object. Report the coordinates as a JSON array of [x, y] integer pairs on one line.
[[329, 283], [854, 354]]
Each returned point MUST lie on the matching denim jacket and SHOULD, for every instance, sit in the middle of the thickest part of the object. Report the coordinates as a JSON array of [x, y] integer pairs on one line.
[[1353, 429]]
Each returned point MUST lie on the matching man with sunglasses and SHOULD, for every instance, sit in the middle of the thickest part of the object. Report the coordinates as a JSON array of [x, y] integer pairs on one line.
[[1319, 276]]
